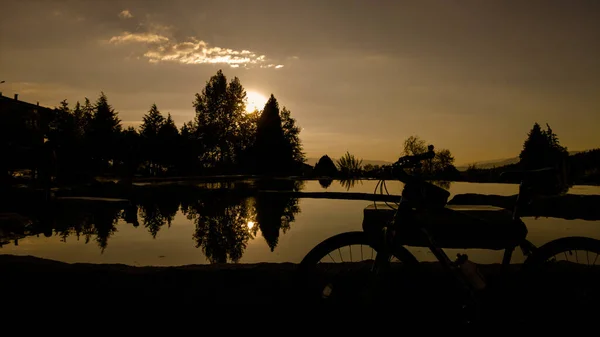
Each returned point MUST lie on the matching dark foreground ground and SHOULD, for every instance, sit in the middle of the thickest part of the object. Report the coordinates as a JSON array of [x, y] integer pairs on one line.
[[271, 293]]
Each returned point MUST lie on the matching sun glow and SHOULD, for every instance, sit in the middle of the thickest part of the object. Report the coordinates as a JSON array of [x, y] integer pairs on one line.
[[250, 224], [256, 101]]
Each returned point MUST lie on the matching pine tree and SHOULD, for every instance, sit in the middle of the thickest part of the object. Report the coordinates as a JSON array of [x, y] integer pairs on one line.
[[168, 137], [542, 149], [272, 154], [62, 125], [80, 120], [188, 151], [106, 120], [88, 114], [152, 123], [105, 128]]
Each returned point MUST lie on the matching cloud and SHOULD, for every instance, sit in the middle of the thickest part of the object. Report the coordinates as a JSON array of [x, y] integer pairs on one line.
[[271, 65], [126, 37], [192, 51], [125, 14]]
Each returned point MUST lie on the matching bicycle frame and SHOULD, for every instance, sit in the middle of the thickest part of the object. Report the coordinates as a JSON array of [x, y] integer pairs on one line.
[[448, 264]]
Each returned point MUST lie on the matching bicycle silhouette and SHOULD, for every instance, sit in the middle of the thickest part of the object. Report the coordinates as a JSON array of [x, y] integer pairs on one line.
[[423, 218]]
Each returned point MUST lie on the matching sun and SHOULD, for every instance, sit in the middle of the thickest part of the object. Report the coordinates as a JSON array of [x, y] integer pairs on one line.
[[256, 101]]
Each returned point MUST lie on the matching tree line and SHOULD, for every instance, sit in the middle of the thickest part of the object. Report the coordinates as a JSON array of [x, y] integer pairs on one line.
[[541, 149], [441, 167], [89, 139]]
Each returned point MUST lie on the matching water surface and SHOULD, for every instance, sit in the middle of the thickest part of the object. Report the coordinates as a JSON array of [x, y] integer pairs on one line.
[[173, 228]]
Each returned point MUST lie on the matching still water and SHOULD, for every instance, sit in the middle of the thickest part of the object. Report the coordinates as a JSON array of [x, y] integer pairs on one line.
[[171, 229]]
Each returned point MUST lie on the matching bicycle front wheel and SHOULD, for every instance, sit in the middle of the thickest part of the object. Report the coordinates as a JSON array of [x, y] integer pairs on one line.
[[346, 267]]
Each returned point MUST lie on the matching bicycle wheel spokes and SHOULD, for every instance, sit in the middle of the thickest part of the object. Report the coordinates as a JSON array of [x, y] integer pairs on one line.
[[576, 258], [352, 253], [576, 276], [566, 277], [342, 268]]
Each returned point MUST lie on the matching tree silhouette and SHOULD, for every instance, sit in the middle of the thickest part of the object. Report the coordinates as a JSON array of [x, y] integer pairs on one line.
[[349, 166], [236, 138], [152, 123], [104, 130], [325, 167], [188, 150], [130, 152], [219, 117], [168, 136], [62, 134], [245, 149], [88, 115], [542, 149], [273, 154], [373, 171], [414, 145], [291, 133], [440, 167], [80, 120]]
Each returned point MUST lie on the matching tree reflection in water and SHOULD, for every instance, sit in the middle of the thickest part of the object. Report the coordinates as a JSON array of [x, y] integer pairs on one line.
[[325, 182], [349, 183], [97, 222], [221, 226], [275, 212], [225, 219], [226, 222], [159, 212]]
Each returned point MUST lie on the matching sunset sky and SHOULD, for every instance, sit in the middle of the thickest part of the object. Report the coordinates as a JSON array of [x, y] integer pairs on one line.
[[359, 76]]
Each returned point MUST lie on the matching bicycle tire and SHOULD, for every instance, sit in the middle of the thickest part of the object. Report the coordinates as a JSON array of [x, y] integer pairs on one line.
[[308, 265], [555, 247], [348, 238], [547, 292]]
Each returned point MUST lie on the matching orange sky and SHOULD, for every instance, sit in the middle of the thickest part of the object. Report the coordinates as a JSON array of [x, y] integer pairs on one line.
[[359, 76]]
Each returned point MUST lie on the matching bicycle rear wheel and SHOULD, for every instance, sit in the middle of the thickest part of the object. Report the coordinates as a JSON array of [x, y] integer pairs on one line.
[[346, 268], [563, 278]]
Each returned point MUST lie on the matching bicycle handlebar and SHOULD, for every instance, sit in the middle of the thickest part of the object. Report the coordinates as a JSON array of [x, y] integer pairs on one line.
[[415, 160]]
